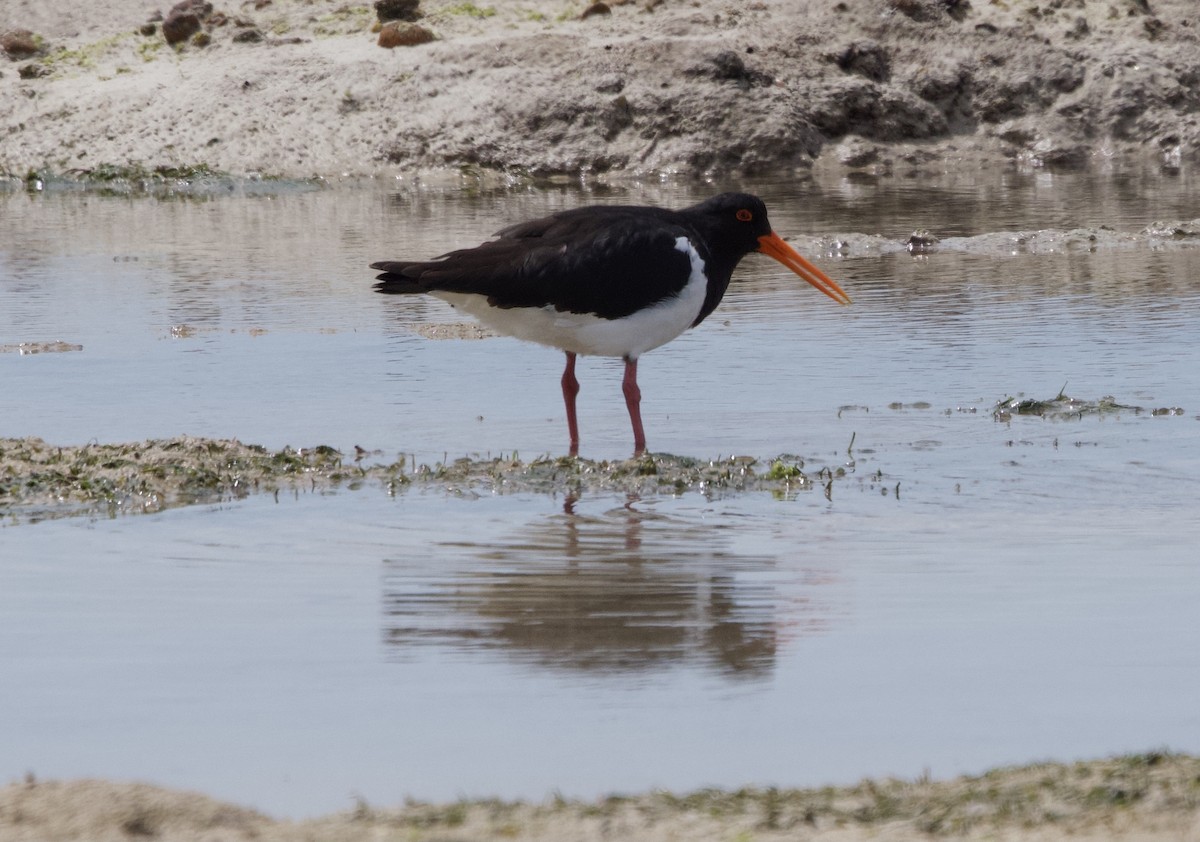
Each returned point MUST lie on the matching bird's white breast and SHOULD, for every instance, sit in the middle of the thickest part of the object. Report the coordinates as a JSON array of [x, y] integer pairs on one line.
[[584, 333]]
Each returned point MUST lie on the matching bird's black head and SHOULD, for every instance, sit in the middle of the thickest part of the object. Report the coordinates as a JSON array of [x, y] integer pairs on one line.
[[731, 224]]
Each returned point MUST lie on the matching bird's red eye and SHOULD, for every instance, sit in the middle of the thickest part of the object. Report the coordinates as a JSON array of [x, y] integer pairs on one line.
[[744, 215]]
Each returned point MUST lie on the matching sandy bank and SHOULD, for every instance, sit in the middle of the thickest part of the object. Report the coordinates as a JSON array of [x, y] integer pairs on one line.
[[673, 86]]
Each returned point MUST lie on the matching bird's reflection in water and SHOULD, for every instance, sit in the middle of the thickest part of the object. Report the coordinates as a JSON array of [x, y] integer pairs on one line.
[[629, 590]]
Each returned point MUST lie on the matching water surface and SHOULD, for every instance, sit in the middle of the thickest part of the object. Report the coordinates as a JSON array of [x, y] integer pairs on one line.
[[972, 592]]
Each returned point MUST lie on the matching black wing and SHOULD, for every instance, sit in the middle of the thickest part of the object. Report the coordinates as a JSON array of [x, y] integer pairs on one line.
[[608, 261]]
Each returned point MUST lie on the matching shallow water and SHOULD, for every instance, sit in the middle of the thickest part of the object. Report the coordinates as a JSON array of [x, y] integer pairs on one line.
[[975, 592]]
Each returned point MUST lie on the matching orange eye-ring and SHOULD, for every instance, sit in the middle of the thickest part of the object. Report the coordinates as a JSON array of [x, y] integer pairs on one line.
[[744, 215]]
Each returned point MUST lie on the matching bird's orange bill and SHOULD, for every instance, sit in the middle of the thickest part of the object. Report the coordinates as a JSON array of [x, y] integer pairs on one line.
[[773, 245]]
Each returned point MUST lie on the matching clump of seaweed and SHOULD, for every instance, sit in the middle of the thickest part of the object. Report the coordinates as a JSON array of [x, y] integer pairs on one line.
[[1062, 407]]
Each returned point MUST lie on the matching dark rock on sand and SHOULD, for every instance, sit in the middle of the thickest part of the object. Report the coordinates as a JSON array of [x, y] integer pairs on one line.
[[185, 20], [407, 10], [399, 34], [595, 9], [33, 70], [19, 44]]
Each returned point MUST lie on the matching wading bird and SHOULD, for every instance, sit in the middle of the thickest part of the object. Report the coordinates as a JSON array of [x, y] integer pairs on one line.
[[605, 280]]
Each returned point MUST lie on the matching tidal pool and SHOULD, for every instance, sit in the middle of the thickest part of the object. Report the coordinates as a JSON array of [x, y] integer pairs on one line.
[[974, 589]]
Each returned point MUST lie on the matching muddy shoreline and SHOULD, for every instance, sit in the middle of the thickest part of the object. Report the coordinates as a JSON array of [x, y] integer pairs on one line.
[[298, 89]]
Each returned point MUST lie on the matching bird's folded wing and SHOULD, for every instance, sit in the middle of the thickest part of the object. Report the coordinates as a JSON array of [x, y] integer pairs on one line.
[[610, 271]]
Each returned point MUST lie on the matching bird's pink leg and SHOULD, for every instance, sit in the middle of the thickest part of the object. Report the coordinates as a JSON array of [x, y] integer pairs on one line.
[[633, 402], [570, 387]]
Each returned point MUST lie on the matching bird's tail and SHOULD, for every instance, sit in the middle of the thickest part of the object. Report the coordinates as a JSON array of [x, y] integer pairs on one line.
[[393, 280]]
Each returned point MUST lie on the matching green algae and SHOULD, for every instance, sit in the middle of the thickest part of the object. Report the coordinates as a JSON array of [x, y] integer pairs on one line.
[[39, 480]]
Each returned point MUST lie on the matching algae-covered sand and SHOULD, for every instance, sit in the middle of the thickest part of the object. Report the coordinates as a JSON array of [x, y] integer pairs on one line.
[[40, 480], [1152, 797]]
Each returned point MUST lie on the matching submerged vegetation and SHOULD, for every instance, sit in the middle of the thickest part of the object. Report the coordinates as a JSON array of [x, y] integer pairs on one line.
[[38, 480]]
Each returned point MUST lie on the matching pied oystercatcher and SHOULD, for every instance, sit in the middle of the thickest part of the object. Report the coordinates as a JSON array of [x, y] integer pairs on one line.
[[605, 280]]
